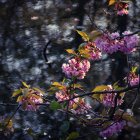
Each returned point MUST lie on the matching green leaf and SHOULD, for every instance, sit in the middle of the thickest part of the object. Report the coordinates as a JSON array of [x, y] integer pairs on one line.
[[39, 90], [95, 34], [58, 85], [134, 69], [65, 126], [25, 85], [84, 53], [17, 92], [55, 105], [100, 88], [71, 51], [72, 136], [77, 86], [126, 1], [19, 99], [83, 35]]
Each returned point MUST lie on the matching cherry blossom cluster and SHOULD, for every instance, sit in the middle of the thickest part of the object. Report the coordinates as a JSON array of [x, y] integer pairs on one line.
[[112, 42], [113, 129], [133, 79], [30, 100], [77, 105], [109, 98], [122, 8], [76, 67], [94, 52]]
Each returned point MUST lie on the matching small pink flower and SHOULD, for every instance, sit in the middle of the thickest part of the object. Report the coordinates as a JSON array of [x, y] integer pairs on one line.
[[109, 98], [76, 106], [30, 100], [76, 68], [122, 12], [133, 79], [95, 53], [122, 8]]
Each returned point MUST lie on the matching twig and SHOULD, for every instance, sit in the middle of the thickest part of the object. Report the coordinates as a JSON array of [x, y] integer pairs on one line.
[[44, 51], [85, 94], [122, 36], [11, 117], [103, 92]]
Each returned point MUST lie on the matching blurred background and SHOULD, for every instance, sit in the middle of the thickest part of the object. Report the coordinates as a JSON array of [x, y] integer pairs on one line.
[[32, 30]]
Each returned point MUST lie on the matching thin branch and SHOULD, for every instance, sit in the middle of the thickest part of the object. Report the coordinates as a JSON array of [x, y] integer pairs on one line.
[[85, 94], [11, 117], [103, 92], [44, 51], [122, 36], [92, 22]]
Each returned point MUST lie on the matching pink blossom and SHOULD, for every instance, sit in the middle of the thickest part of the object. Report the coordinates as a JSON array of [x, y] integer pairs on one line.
[[122, 12], [109, 98], [133, 79], [76, 106], [95, 53], [129, 42], [76, 68], [113, 129], [112, 42], [122, 8], [30, 100]]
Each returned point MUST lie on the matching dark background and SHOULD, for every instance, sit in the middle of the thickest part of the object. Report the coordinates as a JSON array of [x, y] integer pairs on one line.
[[26, 26]]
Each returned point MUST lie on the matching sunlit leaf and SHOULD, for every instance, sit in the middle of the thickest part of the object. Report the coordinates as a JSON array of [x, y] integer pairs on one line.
[[100, 88], [72, 136], [58, 85], [74, 106], [25, 85], [126, 1], [84, 53], [19, 98], [77, 86], [111, 2], [39, 90], [71, 51], [83, 35], [117, 87], [17, 92], [134, 69], [35, 96], [96, 96]]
